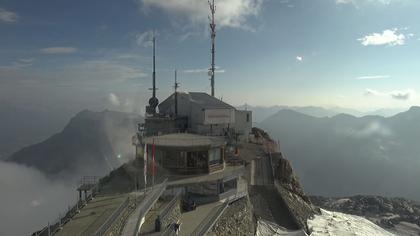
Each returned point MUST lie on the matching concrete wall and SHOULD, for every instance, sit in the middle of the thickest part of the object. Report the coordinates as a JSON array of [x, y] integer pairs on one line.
[[197, 115], [243, 123], [162, 125], [219, 116]]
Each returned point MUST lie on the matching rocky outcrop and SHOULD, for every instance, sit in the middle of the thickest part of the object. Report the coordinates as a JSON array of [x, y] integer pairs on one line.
[[284, 174], [291, 191], [286, 182]]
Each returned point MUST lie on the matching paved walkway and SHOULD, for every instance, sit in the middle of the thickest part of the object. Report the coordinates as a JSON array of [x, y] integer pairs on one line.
[[92, 216], [192, 219]]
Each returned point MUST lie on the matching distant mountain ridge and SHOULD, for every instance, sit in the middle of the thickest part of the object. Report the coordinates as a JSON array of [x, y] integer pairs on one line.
[[347, 155], [23, 126], [260, 113], [92, 143]]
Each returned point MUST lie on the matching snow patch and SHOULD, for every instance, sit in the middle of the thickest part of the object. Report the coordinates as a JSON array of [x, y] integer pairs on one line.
[[340, 224], [269, 228]]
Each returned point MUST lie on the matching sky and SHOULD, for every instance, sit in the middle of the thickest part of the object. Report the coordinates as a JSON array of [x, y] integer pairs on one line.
[[96, 54]]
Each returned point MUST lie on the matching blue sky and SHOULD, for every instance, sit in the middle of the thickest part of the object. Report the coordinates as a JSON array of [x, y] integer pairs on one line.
[[96, 54]]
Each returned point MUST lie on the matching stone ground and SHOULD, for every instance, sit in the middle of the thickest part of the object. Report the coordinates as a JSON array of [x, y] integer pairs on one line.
[[236, 220]]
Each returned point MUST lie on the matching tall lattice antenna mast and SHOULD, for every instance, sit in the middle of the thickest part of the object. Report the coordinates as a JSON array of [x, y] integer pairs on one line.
[[213, 39]]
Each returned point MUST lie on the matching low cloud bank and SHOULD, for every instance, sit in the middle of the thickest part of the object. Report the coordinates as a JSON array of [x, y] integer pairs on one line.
[[28, 200]]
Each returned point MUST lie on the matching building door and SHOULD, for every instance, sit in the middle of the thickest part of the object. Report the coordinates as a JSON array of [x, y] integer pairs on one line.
[[191, 160]]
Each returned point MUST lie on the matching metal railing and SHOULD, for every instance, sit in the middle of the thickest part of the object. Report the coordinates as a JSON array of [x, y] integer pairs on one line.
[[111, 219], [165, 212], [150, 202], [168, 230], [52, 229], [133, 224], [211, 220]]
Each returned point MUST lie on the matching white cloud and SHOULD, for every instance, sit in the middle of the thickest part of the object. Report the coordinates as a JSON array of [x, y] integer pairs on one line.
[[402, 95], [103, 72], [344, 1], [299, 58], [27, 60], [20, 64], [232, 13], [115, 71], [358, 2], [36, 201], [113, 99], [203, 70], [387, 37], [372, 92], [188, 35], [8, 16], [371, 77], [373, 128], [145, 39], [58, 50]]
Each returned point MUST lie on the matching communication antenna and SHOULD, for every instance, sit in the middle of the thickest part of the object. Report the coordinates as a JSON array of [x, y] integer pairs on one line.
[[213, 39], [153, 101], [176, 86], [154, 66]]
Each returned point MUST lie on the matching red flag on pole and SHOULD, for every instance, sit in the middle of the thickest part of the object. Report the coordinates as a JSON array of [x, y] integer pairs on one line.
[[145, 157], [153, 160]]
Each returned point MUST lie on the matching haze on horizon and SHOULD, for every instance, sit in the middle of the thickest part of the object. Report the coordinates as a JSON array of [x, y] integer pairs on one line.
[[69, 56]]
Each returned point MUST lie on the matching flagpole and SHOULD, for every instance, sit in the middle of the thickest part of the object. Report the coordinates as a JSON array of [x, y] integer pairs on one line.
[[153, 162], [145, 157]]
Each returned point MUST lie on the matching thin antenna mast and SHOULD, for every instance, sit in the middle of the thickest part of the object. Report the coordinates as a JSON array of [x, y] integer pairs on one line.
[[154, 66], [213, 39], [153, 101], [176, 86]]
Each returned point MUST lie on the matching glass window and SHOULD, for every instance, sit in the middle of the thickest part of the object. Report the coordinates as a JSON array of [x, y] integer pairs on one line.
[[214, 156]]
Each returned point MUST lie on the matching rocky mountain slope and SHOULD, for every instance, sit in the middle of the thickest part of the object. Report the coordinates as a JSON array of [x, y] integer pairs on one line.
[[344, 155], [92, 143]]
